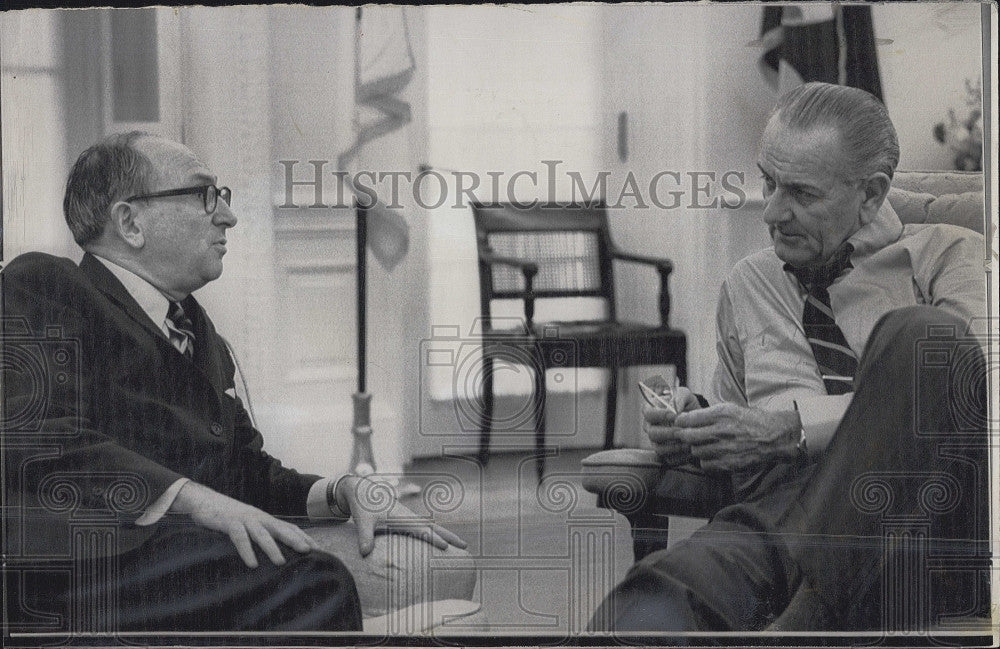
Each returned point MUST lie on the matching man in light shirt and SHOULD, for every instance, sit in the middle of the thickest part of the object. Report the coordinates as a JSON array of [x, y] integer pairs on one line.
[[145, 433], [829, 420]]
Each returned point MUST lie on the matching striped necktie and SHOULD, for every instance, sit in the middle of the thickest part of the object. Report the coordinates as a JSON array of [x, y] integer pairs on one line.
[[181, 329], [837, 362]]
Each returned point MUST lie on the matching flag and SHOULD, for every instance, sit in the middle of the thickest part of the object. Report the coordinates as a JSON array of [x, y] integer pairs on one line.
[[819, 42], [383, 67]]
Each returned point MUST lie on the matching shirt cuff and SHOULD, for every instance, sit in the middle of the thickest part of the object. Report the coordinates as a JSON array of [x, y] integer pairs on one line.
[[160, 506], [317, 506], [820, 417]]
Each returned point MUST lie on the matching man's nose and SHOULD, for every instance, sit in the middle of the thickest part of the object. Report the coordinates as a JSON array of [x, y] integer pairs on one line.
[[776, 208], [224, 215]]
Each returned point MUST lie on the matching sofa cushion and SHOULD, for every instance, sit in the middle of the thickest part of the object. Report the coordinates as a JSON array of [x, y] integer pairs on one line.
[[938, 182], [965, 209]]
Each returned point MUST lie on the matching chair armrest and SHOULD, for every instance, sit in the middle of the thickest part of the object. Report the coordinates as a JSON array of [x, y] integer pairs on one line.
[[632, 482], [664, 267], [528, 268], [623, 477]]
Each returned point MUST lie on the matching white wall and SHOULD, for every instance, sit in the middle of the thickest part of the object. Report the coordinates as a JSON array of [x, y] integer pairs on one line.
[[507, 89], [34, 147], [927, 52]]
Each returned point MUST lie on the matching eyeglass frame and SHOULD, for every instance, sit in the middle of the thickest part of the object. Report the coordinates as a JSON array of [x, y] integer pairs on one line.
[[224, 193]]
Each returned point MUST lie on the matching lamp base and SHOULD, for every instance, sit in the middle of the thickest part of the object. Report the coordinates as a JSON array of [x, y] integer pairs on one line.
[[362, 457]]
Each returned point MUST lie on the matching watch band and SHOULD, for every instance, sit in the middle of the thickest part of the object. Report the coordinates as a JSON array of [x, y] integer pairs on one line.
[[802, 448], [331, 498]]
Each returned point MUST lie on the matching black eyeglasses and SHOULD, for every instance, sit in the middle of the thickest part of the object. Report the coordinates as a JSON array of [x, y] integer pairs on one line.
[[210, 194]]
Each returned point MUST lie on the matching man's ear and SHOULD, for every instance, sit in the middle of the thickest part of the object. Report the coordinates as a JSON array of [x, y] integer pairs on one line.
[[875, 187], [125, 224]]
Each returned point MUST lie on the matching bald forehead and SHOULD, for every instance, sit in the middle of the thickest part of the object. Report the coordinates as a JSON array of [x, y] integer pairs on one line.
[[174, 164]]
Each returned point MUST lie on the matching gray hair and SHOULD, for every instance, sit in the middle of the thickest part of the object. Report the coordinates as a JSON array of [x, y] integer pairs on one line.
[[109, 171], [867, 134]]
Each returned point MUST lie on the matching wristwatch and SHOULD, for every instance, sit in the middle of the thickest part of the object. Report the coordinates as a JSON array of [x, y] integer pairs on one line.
[[331, 498], [802, 449]]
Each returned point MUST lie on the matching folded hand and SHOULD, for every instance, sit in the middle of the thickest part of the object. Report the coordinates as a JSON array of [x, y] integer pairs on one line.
[[728, 437], [658, 424]]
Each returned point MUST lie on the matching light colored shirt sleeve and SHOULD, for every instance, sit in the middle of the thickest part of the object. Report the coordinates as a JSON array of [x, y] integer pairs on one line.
[[160, 506], [954, 278], [820, 415], [316, 506], [728, 382]]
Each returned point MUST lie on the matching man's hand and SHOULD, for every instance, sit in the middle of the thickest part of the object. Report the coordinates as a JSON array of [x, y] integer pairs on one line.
[[727, 437], [658, 424], [375, 509], [241, 522]]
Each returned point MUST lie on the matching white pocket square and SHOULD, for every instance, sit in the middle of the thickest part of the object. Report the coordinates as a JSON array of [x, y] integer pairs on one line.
[[231, 392]]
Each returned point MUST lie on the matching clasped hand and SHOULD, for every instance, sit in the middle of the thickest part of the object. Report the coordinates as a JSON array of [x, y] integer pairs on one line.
[[723, 437]]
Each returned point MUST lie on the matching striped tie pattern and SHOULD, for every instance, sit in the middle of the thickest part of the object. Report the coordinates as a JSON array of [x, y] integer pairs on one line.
[[837, 362], [181, 329]]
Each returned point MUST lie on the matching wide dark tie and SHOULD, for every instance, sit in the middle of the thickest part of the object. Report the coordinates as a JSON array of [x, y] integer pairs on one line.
[[837, 362], [181, 329]]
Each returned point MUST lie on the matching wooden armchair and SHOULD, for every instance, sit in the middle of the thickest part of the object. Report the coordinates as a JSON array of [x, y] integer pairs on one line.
[[562, 252]]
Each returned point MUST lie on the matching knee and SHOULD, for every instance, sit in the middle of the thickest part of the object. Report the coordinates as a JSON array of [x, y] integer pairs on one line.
[[458, 576], [898, 333], [327, 585], [321, 567], [444, 574], [913, 323]]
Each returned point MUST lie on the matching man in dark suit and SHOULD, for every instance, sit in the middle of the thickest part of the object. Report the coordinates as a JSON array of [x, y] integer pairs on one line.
[[128, 457]]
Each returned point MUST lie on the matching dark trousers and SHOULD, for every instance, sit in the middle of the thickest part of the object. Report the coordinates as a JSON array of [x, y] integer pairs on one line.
[[188, 578], [889, 529]]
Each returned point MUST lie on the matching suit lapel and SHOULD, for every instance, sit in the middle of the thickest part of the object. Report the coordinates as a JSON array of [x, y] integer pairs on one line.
[[105, 281], [206, 351], [205, 362]]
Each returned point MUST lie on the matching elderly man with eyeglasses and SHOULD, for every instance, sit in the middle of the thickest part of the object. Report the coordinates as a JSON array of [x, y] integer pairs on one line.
[[138, 429]]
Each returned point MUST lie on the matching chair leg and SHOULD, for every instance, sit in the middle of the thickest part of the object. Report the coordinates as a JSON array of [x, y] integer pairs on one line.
[[611, 411], [539, 404], [486, 414]]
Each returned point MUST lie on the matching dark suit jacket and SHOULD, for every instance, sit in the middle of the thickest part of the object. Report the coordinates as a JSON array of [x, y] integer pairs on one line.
[[102, 413]]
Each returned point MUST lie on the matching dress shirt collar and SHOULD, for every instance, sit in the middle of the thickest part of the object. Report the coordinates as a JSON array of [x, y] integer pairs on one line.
[[886, 228], [149, 298]]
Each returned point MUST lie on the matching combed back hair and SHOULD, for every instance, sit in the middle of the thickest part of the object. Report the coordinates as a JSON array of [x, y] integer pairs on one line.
[[867, 134], [109, 171]]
